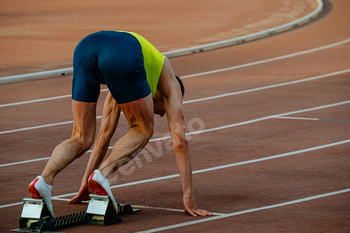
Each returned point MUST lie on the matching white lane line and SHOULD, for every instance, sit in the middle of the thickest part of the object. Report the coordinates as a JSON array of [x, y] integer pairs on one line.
[[168, 209], [207, 72], [66, 199], [270, 86], [135, 206], [157, 208], [40, 100], [40, 126], [270, 59], [299, 118], [34, 101], [36, 127], [269, 117], [312, 119], [212, 129], [25, 161], [10, 205], [273, 157], [200, 99], [207, 219], [206, 169]]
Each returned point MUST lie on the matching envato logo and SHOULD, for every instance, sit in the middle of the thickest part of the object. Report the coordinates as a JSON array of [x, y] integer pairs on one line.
[[129, 165]]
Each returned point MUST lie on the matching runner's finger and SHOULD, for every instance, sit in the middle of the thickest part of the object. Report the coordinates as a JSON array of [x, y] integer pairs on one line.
[[189, 210]]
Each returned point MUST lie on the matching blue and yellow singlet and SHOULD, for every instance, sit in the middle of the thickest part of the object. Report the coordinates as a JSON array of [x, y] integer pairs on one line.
[[125, 61]]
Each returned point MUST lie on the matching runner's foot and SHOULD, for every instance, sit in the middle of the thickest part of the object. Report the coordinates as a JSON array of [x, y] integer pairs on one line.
[[100, 185], [40, 190]]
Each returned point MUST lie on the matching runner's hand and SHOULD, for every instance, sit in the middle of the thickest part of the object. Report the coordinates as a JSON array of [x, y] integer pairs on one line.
[[191, 207]]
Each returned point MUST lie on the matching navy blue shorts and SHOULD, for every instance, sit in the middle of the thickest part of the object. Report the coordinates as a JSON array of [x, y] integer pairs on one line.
[[112, 58]]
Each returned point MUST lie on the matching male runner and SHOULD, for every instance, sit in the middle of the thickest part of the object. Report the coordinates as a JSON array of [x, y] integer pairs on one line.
[[141, 82]]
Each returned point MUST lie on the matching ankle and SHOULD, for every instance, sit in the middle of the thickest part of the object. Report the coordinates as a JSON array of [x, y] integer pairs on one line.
[[48, 180]]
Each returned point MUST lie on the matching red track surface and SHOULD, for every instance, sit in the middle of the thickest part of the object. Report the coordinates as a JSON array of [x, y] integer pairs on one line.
[[252, 128]]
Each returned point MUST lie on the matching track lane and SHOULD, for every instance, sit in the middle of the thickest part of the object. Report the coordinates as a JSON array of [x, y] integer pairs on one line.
[[263, 137]]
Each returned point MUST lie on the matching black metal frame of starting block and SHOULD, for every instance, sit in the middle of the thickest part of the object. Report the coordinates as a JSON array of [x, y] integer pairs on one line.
[[36, 217]]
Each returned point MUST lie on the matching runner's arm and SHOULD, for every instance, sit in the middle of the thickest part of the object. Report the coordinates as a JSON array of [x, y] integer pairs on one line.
[[175, 116]]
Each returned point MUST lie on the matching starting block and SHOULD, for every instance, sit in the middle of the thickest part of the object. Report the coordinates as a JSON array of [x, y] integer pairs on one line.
[[33, 210], [36, 217], [101, 211]]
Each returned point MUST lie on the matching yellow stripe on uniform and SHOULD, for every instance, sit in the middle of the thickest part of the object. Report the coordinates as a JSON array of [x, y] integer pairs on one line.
[[153, 62]]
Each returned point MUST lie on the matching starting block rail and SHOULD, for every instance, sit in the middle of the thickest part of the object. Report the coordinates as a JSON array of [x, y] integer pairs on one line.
[[35, 216]]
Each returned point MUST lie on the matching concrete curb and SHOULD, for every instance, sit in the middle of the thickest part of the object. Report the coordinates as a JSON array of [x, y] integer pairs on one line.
[[180, 52]]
